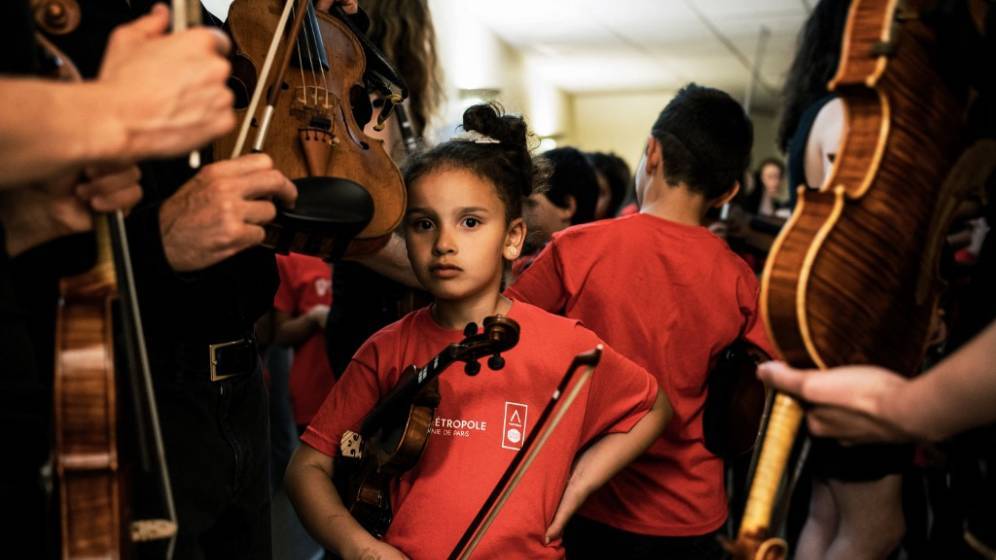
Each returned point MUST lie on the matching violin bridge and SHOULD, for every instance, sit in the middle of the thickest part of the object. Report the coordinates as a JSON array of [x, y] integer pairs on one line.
[[313, 98], [317, 145], [351, 445]]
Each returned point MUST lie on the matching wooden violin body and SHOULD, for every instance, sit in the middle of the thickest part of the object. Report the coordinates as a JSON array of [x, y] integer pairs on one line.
[[92, 507], [390, 453], [313, 133], [852, 278], [394, 435]]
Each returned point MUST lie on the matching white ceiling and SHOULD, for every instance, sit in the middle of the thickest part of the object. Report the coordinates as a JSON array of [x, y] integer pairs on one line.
[[597, 45]]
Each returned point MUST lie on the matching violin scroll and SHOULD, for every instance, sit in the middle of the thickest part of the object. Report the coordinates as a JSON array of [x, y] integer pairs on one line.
[[500, 334], [56, 17]]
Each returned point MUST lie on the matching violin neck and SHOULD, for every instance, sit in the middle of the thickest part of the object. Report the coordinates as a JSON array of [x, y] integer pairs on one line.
[[312, 55], [186, 13], [104, 265], [783, 425], [412, 381]]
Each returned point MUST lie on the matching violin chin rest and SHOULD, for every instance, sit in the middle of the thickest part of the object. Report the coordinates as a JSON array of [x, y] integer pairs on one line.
[[327, 205]]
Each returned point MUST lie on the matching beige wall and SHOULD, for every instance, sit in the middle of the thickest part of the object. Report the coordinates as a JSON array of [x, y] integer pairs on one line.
[[616, 122], [765, 131], [620, 122], [474, 58]]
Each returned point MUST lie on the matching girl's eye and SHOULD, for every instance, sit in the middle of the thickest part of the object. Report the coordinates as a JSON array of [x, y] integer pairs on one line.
[[421, 224], [471, 222]]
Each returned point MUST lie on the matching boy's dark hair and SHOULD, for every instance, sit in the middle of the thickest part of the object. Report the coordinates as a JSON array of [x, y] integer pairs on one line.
[[705, 139], [616, 173], [572, 175], [500, 155]]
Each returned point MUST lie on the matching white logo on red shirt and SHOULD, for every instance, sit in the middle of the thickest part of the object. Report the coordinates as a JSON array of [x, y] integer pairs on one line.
[[514, 429], [457, 427], [322, 286]]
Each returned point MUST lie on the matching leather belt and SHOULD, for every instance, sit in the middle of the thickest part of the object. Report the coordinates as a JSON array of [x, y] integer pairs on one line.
[[220, 361], [232, 358]]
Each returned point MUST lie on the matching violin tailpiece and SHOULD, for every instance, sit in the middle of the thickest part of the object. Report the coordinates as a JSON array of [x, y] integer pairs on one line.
[[317, 145]]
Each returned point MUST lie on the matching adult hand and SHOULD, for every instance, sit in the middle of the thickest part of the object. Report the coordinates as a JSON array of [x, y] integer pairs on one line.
[[39, 213], [221, 211], [348, 6], [169, 88], [855, 404]]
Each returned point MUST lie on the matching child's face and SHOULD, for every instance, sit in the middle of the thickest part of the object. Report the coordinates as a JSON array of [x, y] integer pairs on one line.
[[456, 234], [546, 218], [771, 178]]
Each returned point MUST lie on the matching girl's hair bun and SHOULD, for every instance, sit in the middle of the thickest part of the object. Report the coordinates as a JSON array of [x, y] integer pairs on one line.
[[497, 150], [490, 120]]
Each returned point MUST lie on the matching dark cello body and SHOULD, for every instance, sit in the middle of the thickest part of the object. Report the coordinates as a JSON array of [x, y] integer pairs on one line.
[[852, 278], [344, 177]]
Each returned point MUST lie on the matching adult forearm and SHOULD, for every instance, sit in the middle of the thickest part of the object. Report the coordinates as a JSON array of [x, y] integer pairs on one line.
[[957, 394], [392, 262], [50, 127]]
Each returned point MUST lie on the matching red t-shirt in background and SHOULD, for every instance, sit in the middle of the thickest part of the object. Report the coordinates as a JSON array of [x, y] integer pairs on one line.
[[480, 424], [669, 297], [304, 283], [628, 210]]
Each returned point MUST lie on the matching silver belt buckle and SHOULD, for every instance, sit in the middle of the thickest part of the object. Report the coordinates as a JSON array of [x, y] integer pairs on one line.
[[213, 352]]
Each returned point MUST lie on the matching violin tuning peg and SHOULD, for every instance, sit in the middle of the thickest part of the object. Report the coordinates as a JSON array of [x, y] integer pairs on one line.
[[472, 368], [470, 329], [496, 362]]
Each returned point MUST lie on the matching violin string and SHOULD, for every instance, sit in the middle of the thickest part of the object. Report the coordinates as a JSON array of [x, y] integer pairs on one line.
[[300, 65], [321, 68], [311, 61]]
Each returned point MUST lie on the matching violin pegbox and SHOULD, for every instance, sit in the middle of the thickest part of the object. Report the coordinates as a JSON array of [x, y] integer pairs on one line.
[[499, 334], [351, 445]]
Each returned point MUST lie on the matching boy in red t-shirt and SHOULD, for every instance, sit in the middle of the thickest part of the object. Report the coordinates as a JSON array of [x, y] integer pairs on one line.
[[302, 305], [668, 294], [462, 227]]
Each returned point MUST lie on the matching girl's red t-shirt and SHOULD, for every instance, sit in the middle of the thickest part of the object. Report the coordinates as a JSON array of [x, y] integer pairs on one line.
[[481, 423], [304, 283]]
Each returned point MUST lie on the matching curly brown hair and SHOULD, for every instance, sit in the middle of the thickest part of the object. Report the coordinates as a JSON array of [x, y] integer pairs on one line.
[[403, 30]]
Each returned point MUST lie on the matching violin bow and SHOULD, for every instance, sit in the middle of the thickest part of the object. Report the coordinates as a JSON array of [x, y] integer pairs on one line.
[[142, 374], [534, 443], [186, 14], [264, 74]]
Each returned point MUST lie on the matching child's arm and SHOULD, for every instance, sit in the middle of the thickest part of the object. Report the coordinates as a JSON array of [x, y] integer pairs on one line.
[[309, 486], [290, 331], [605, 458]]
